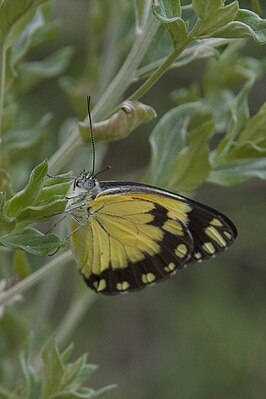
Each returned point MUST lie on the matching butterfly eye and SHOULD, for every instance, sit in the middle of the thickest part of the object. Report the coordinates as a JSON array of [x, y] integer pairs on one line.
[[89, 184], [77, 183]]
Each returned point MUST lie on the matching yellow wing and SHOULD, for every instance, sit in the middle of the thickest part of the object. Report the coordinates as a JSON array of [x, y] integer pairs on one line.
[[132, 240]]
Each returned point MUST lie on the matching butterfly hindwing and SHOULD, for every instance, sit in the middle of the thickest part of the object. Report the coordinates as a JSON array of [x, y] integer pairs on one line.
[[212, 231]]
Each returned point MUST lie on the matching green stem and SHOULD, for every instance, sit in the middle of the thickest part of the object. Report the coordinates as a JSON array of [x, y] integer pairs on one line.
[[127, 72], [163, 67], [187, 56], [2, 86], [111, 96], [35, 277], [74, 316]]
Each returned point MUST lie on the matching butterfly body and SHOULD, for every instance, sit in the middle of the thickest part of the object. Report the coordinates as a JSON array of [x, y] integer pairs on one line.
[[126, 236]]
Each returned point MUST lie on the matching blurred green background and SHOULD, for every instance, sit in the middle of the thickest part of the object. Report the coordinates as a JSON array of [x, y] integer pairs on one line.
[[201, 334]]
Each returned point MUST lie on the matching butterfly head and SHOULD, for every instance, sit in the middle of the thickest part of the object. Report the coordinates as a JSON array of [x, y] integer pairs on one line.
[[85, 181]]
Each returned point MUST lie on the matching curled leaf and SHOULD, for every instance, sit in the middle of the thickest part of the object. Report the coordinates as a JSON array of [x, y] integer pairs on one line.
[[121, 124]]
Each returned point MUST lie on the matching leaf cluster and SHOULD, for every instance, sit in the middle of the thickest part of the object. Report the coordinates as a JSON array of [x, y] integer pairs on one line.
[[58, 378], [37, 202]]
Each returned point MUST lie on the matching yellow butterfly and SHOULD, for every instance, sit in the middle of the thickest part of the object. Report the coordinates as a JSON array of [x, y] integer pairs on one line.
[[126, 236]]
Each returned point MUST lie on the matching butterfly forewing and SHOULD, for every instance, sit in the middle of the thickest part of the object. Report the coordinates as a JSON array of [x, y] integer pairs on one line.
[[136, 235]]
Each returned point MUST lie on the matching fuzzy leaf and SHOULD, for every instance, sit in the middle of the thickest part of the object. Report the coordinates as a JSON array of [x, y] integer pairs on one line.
[[255, 127], [53, 370], [32, 241], [169, 12], [237, 172], [26, 197], [34, 72], [36, 32], [14, 15], [58, 378], [248, 150], [29, 386], [213, 15], [53, 192], [204, 8], [7, 224], [192, 165], [42, 212], [246, 24], [23, 143], [239, 116], [167, 141]]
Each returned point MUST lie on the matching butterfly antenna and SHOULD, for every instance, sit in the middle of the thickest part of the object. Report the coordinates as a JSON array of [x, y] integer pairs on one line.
[[104, 170], [92, 135]]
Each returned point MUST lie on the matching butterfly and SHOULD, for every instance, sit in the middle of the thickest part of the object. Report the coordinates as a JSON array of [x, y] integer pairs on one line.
[[126, 236]]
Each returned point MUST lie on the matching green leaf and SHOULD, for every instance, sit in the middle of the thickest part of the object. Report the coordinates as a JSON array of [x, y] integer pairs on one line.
[[239, 116], [26, 38], [213, 15], [255, 127], [251, 143], [168, 12], [26, 197], [54, 182], [167, 141], [227, 70], [178, 31], [23, 143], [192, 165], [14, 15], [186, 95], [159, 48], [32, 241], [246, 24], [35, 72], [29, 387], [7, 224], [52, 192], [248, 150], [42, 212], [204, 8], [236, 172], [53, 370]]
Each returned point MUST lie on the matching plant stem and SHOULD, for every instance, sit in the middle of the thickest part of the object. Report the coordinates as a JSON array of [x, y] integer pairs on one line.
[[2, 86], [111, 96], [35, 277], [127, 72], [73, 317], [187, 56], [161, 69]]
